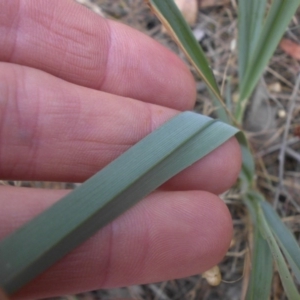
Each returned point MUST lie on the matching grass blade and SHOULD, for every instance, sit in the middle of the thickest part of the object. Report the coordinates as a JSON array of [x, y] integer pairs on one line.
[[248, 168], [262, 265], [262, 269], [243, 37], [278, 18], [250, 21], [220, 111], [172, 19], [159, 156], [285, 276], [285, 238], [283, 270], [228, 95], [257, 14]]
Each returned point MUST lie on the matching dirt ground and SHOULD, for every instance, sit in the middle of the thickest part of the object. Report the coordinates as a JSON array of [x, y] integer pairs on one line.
[[266, 120]]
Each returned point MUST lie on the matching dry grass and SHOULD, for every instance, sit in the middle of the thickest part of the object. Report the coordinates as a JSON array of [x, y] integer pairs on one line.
[[266, 122]]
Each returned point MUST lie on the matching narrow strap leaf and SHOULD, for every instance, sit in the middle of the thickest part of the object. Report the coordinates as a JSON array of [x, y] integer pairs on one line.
[[173, 20], [248, 168], [171, 148], [250, 21], [261, 262], [262, 269], [266, 231], [278, 18], [285, 238], [285, 276]]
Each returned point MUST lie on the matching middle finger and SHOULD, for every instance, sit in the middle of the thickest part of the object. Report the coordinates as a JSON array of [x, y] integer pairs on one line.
[[55, 130]]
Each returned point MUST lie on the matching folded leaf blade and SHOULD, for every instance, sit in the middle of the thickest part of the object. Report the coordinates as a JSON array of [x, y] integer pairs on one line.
[[155, 159]]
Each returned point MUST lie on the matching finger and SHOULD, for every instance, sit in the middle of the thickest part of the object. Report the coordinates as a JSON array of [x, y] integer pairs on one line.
[[168, 235], [71, 42], [47, 122]]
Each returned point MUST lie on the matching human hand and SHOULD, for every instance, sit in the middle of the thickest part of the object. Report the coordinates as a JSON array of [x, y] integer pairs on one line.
[[76, 91]]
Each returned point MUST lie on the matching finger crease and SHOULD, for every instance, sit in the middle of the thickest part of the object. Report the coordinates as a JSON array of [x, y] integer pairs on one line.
[[109, 46]]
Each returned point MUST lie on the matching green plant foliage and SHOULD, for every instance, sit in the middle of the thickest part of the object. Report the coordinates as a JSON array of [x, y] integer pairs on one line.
[[171, 17], [261, 221], [220, 111], [261, 260], [248, 170], [258, 39], [253, 58], [250, 21], [285, 238], [285, 276], [173, 20], [262, 269], [171, 148]]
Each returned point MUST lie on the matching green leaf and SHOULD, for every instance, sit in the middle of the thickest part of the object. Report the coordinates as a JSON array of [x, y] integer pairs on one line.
[[285, 238], [172, 19], [248, 168], [250, 21], [254, 63], [285, 276], [283, 270], [262, 268], [40, 243], [228, 93], [220, 110]]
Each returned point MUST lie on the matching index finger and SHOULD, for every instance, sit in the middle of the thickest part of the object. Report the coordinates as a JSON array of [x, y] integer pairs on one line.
[[68, 41]]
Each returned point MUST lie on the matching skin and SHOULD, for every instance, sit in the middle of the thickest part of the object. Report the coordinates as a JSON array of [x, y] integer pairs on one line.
[[76, 91]]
